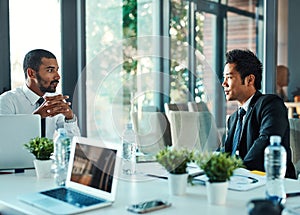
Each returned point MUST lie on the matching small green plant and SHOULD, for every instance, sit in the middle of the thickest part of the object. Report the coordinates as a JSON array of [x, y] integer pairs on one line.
[[174, 160], [218, 167], [40, 147]]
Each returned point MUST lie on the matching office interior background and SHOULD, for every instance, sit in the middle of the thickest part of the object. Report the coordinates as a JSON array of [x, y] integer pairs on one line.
[[121, 56]]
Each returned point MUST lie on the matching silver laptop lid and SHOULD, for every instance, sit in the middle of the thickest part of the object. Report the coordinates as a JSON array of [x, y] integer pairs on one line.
[[16, 130], [94, 167]]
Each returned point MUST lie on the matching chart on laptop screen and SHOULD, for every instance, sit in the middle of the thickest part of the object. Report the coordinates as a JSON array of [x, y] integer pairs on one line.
[[94, 166]]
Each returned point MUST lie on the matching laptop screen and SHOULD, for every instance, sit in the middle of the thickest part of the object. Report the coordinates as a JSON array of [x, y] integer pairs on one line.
[[94, 166], [16, 130]]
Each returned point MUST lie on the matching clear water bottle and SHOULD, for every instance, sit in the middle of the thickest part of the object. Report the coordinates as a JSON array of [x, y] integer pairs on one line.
[[275, 167], [129, 150], [61, 157]]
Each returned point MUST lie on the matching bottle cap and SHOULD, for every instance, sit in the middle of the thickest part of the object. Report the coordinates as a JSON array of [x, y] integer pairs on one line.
[[275, 139]]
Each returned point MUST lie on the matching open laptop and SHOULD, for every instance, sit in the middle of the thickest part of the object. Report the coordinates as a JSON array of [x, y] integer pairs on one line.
[[16, 130], [91, 181]]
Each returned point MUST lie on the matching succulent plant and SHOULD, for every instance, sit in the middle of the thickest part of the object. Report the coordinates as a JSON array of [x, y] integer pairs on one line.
[[174, 160], [218, 167], [40, 147]]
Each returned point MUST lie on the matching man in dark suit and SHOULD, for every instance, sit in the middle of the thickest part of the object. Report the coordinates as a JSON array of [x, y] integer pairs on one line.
[[265, 115]]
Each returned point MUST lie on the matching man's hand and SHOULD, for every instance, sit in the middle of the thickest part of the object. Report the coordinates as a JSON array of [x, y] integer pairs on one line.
[[54, 105]]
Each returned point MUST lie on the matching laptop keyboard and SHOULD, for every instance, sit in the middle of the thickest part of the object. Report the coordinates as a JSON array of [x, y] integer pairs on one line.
[[73, 197]]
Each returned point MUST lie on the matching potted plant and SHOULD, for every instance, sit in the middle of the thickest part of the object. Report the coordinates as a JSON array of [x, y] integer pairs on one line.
[[218, 167], [42, 148], [175, 162]]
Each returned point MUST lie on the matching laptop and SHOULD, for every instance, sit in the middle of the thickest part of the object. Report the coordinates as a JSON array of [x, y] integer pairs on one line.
[[91, 180], [16, 130]]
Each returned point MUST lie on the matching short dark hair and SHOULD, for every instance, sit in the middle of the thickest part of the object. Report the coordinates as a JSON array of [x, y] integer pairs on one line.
[[246, 63], [33, 59]]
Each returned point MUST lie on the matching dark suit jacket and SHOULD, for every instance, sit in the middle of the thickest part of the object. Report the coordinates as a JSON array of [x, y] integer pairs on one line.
[[266, 116]]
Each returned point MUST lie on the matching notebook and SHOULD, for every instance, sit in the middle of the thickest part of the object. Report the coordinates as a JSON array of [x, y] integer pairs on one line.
[[16, 130], [92, 176]]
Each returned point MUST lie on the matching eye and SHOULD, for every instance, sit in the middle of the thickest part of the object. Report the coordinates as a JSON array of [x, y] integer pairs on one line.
[[51, 69]]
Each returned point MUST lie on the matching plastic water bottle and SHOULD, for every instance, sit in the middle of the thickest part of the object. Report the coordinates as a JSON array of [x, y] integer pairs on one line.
[[61, 157], [275, 167], [129, 150]]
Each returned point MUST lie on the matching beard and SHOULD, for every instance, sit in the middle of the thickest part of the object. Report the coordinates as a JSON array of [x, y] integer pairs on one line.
[[44, 89]]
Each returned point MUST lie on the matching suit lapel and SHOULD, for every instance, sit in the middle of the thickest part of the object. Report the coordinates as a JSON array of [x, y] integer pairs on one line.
[[231, 131], [253, 101]]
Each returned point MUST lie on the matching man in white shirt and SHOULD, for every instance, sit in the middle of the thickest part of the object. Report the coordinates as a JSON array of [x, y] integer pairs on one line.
[[41, 79]]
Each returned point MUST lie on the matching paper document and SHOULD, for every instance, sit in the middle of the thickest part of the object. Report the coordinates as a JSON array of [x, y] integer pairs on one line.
[[242, 180]]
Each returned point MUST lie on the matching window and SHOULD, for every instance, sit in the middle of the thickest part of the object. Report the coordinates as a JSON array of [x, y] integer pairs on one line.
[[246, 5], [108, 82], [32, 27], [128, 56]]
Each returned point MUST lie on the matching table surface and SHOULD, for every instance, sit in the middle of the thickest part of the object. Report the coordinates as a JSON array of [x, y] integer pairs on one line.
[[133, 190]]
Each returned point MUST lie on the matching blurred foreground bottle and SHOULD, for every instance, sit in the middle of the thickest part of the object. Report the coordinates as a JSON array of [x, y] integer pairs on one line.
[[275, 167], [61, 157]]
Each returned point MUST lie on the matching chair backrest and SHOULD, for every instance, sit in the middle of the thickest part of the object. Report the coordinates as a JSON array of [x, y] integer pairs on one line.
[[197, 106], [202, 106], [194, 130], [152, 131], [176, 107], [295, 141]]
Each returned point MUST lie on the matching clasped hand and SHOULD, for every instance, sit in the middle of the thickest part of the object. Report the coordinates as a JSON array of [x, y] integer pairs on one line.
[[54, 105]]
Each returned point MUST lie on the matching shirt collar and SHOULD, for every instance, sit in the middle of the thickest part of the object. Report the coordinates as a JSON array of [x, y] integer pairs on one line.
[[245, 106], [30, 95]]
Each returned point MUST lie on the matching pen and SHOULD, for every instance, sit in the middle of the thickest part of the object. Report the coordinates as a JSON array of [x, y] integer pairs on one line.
[[293, 194], [199, 181], [157, 176], [2, 173], [253, 180], [196, 174]]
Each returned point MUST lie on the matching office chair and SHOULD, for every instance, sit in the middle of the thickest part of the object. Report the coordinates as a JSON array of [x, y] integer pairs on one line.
[[194, 130]]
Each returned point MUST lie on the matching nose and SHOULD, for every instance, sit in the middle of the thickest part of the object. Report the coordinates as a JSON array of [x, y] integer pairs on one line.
[[224, 84], [57, 76]]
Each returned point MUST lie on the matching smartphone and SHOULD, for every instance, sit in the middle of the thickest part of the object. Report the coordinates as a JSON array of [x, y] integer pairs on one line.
[[147, 206]]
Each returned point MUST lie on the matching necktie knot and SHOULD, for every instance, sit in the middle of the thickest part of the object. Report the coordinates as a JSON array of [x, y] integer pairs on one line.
[[241, 113]]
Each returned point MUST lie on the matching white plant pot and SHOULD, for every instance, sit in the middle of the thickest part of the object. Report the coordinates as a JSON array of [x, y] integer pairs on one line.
[[43, 168], [217, 192], [177, 183]]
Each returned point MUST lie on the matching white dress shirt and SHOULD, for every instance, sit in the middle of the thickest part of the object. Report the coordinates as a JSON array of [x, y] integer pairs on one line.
[[24, 101], [245, 106]]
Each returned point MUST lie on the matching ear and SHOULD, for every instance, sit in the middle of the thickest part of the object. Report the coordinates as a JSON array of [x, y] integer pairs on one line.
[[31, 73], [249, 80]]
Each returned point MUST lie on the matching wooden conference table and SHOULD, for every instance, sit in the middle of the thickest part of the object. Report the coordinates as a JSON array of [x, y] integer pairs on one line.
[[133, 190]]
